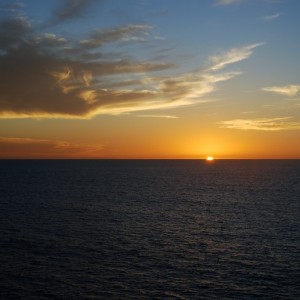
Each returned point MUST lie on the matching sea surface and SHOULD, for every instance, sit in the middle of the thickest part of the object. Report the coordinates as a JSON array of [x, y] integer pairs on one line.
[[149, 229]]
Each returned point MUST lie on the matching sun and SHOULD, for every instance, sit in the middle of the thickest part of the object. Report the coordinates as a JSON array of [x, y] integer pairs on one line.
[[209, 158]]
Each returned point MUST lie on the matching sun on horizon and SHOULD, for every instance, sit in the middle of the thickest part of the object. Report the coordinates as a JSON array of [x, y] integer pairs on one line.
[[209, 158]]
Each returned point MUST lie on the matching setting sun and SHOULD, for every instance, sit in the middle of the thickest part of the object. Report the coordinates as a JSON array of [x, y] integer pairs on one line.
[[209, 158]]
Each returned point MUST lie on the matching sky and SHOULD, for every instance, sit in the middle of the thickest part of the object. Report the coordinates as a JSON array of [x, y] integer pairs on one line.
[[150, 79]]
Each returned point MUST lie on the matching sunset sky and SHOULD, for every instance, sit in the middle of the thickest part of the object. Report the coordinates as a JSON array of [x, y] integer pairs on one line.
[[150, 79]]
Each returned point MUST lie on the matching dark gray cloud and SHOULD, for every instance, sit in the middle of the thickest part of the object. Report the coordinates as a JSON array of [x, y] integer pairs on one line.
[[34, 83], [46, 75], [13, 30]]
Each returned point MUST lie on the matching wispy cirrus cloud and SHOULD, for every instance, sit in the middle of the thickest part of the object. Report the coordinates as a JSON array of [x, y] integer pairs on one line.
[[271, 17], [264, 124], [232, 56], [158, 116], [46, 75], [226, 2], [16, 147], [287, 90], [131, 32]]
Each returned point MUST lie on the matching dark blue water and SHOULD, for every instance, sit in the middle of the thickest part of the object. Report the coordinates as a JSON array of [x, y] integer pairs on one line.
[[149, 229]]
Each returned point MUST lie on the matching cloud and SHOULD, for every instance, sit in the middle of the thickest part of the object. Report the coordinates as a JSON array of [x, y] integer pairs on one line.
[[226, 2], [287, 90], [132, 32], [271, 17], [11, 6], [265, 124], [46, 75], [12, 30], [48, 40], [71, 9], [15, 147], [157, 116], [232, 56]]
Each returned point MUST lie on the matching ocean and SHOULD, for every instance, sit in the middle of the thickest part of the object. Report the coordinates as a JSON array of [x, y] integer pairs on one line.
[[149, 229]]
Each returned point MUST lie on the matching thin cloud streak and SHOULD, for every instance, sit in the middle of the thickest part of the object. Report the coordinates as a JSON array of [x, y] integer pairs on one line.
[[232, 56], [271, 17], [14, 147], [131, 32], [264, 124], [226, 2], [287, 90], [157, 116]]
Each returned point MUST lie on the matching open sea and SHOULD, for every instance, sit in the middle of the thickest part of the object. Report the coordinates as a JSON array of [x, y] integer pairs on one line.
[[149, 229]]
